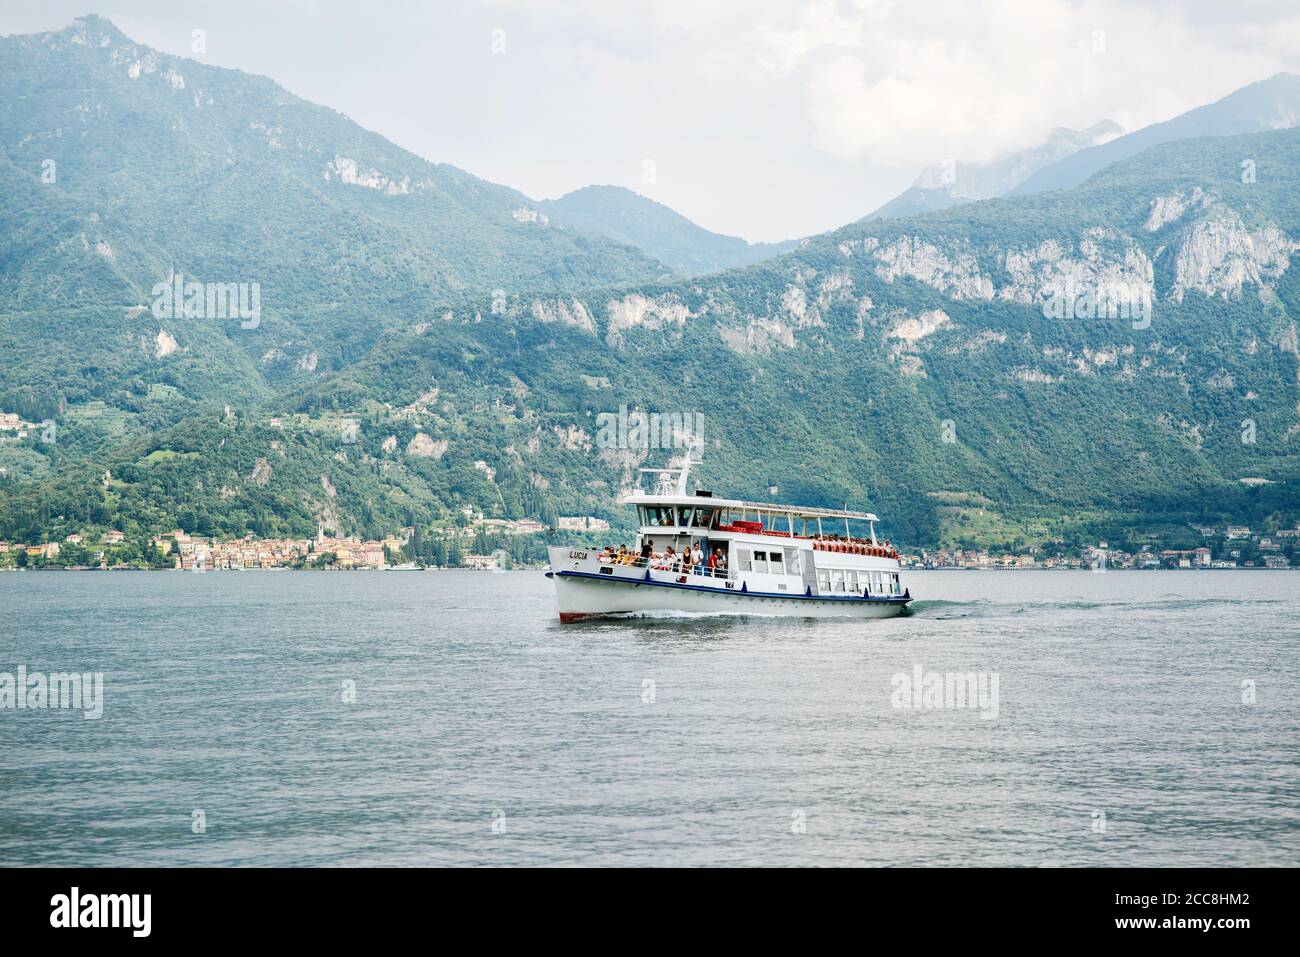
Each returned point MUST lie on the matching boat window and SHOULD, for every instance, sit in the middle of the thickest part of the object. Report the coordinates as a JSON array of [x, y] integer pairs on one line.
[[774, 560], [703, 517], [658, 515], [760, 561], [837, 579], [742, 559], [823, 581]]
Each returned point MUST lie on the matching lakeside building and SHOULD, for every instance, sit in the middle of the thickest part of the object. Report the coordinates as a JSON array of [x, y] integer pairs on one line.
[[1185, 558], [12, 422], [1102, 557], [581, 523]]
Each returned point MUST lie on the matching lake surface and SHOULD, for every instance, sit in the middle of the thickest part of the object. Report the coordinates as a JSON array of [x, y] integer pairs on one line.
[[484, 732]]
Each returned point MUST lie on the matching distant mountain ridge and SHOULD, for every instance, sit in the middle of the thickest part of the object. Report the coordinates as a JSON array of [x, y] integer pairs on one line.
[[993, 178], [1270, 104], [627, 217], [955, 182]]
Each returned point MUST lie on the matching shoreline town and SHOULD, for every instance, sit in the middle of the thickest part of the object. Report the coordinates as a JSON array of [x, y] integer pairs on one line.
[[505, 544]]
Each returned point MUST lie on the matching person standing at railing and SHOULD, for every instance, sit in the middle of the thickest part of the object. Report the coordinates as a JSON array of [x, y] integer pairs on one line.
[[697, 559], [647, 552]]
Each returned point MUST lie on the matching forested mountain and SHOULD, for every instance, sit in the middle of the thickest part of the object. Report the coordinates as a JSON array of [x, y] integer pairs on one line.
[[914, 366], [838, 371], [629, 218], [121, 166]]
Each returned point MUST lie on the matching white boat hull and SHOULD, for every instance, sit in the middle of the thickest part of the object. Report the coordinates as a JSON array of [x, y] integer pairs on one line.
[[579, 595]]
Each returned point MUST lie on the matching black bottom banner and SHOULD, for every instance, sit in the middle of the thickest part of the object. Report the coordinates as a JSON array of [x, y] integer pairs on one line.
[[1225, 907]]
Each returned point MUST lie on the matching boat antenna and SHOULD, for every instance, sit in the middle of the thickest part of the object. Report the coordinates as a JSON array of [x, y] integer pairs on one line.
[[683, 477]]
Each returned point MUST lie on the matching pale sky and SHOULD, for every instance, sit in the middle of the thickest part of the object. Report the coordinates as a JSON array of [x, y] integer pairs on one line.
[[768, 119]]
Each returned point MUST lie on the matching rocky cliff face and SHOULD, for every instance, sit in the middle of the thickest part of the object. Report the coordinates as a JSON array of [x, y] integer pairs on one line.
[[1219, 256], [1200, 237]]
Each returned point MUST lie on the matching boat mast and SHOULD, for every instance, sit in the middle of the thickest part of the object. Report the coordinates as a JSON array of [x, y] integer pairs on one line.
[[684, 475]]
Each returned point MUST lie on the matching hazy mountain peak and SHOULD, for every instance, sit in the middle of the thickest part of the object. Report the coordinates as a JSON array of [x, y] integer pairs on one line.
[[1269, 104], [1103, 132], [954, 182], [635, 220], [90, 30], [993, 178]]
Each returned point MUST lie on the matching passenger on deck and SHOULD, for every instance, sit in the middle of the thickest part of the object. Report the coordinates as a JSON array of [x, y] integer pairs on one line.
[[686, 560], [647, 552], [719, 562], [607, 556], [667, 559], [697, 559], [622, 556]]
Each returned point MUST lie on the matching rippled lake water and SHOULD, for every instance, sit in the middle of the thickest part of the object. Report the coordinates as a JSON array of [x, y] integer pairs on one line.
[[484, 732]]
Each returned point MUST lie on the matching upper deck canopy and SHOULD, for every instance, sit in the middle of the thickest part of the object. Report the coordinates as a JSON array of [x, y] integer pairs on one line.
[[638, 497], [672, 483]]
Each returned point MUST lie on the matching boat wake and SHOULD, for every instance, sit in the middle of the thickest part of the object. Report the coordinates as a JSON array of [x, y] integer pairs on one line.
[[941, 609], [662, 614]]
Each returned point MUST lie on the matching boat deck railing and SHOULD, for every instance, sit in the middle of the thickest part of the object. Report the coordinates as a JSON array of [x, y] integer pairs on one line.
[[822, 543], [674, 566]]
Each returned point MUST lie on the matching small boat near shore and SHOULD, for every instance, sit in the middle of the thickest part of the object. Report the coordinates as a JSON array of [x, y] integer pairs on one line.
[[767, 559]]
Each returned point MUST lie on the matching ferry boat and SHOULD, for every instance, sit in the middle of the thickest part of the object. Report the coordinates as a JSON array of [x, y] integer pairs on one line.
[[781, 560]]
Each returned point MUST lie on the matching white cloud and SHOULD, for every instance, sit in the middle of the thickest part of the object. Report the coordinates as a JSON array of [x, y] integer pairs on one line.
[[909, 84]]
